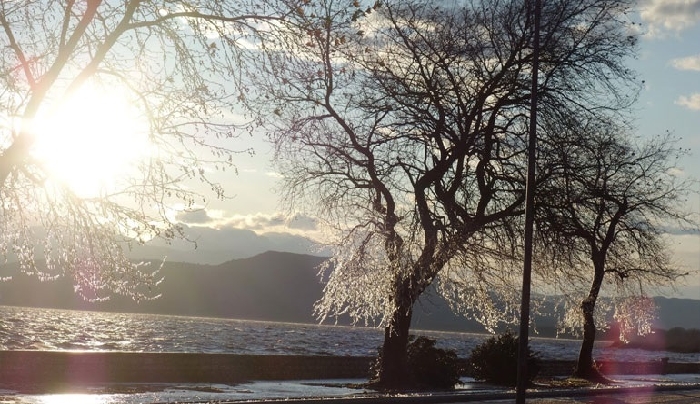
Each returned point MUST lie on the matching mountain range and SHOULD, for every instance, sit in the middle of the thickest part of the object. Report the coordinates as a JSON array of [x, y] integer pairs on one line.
[[272, 286]]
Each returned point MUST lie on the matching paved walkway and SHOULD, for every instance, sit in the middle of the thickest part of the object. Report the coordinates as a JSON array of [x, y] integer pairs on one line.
[[685, 390], [638, 397], [664, 395]]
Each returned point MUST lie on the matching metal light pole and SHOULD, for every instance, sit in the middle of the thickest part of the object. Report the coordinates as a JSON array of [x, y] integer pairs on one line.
[[529, 210]]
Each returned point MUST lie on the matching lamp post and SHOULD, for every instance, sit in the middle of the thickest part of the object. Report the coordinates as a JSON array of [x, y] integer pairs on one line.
[[534, 9]]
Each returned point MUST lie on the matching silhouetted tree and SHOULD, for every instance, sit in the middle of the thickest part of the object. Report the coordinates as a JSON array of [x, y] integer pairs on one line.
[[177, 62], [403, 126], [602, 218]]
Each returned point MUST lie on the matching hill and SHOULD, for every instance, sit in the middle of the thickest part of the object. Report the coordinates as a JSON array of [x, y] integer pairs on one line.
[[272, 286]]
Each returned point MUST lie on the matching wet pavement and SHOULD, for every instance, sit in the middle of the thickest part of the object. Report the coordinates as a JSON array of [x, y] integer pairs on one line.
[[640, 389], [626, 397]]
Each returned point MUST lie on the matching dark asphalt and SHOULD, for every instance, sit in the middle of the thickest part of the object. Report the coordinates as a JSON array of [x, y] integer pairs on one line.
[[632, 397], [673, 394]]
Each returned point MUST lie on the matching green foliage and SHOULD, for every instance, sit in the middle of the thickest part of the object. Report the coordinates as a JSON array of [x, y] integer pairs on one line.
[[429, 368], [496, 360]]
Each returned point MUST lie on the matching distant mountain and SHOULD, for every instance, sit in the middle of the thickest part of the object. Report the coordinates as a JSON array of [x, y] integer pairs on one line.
[[273, 286], [214, 246], [677, 313]]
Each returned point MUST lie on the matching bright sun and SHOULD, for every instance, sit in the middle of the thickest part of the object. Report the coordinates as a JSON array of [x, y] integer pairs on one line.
[[91, 140]]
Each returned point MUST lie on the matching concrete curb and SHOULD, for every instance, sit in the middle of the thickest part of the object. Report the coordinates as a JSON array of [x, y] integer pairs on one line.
[[445, 398]]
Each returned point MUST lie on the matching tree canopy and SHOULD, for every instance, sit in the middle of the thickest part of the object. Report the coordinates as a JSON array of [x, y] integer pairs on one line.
[[72, 75], [603, 220], [404, 124]]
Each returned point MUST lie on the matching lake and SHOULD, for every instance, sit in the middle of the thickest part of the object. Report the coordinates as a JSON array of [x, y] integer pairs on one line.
[[23, 328]]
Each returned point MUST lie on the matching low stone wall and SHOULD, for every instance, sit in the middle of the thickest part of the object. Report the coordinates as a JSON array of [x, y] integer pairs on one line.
[[562, 368], [52, 367], [642, 368], [41, 367]]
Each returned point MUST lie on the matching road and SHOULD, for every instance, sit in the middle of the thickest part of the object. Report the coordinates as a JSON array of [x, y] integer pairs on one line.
[[640, 396], [664, 395]]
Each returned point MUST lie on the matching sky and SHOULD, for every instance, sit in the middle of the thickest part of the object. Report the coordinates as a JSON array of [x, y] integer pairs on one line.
[[668, 62]]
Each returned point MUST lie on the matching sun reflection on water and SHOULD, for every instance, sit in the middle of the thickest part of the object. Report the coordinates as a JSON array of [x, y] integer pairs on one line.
[[74, 399]]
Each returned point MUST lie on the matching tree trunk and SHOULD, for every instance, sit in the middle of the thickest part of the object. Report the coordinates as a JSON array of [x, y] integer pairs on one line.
[[393, 371], [585, 367]]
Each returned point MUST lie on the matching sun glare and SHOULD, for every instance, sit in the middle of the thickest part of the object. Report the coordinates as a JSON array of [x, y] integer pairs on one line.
[[91, 140], [73, 399]]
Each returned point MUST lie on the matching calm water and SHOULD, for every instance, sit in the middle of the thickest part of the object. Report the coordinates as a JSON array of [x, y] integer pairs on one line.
[[47, 329]]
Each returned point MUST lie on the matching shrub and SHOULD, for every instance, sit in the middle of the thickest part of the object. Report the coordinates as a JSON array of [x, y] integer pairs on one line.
[[429, 368], [496, 361], [432, 367]]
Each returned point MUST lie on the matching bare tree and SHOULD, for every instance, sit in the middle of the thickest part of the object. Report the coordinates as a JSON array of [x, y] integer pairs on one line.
[[176, 64], [404, 127], [602, 217]]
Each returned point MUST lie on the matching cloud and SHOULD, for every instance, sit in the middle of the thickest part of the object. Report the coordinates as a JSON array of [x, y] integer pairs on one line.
[[670, 15], [301, 222], [690, 102], [274, 174], [678, 231], [199, 216], [687, 63], [263, 222], [213, 237], [258, 221]]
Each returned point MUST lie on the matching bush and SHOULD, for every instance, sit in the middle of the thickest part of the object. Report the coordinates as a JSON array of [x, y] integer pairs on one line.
[[429, 368], [432, 367], [496, 361]]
